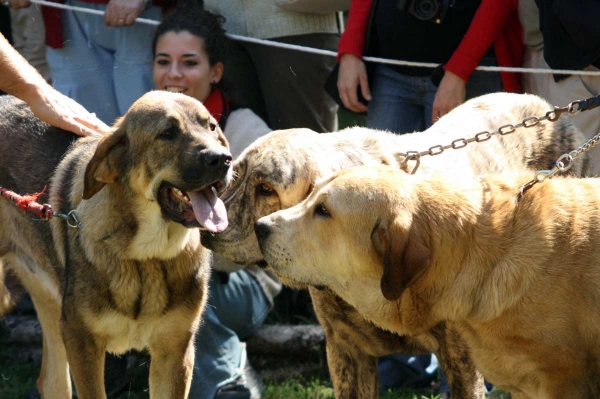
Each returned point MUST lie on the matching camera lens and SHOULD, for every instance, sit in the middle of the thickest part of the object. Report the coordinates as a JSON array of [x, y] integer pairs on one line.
[[425, 9]]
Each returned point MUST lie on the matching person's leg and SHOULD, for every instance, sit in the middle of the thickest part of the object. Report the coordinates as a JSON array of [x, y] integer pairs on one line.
[[132, 74], [81, 69], [292, 82], [426, 91], [406, 371], [395, 106], [234, 310]]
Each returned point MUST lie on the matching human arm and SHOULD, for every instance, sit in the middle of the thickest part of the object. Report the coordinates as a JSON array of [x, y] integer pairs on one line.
[[22, 80], [488, 22], [353, 72], [123, 12]]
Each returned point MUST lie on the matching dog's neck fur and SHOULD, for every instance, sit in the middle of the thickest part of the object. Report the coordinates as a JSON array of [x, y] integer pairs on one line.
[[152, 235]]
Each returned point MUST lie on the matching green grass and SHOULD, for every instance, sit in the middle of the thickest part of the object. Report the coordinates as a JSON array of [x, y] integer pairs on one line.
[[19, 377], [16, 377], [316, 389]]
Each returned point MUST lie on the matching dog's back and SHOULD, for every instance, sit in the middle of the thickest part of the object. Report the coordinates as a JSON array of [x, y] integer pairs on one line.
[[536, 148], [31, 150]]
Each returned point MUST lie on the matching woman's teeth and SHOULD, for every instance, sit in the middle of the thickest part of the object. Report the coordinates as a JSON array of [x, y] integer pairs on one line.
[[175, 89]]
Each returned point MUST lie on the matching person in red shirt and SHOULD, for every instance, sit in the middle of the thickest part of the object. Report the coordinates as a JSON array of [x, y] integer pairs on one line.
[[403, 99]]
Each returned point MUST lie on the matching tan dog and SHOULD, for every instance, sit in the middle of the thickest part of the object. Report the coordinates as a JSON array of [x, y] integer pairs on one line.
[[520, 282], [279, 170], [134, 275]]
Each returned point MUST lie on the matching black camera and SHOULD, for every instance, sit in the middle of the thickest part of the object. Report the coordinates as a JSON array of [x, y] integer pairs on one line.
[[426, 10]]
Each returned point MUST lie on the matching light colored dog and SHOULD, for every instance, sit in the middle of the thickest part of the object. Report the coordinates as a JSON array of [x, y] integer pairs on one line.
[[134, 274], [279, 170], [521, 282]]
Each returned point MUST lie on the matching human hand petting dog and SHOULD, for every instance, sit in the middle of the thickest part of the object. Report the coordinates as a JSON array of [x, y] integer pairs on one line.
[[123, 12], [61, 111], [21, 80]]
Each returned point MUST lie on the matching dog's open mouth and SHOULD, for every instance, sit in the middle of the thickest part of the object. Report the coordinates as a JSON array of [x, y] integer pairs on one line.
[[198, 208]]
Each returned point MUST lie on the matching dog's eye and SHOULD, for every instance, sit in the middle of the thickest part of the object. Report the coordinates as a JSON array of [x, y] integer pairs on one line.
[[213, 126], [321, 210], [264, 190], [168, 134]]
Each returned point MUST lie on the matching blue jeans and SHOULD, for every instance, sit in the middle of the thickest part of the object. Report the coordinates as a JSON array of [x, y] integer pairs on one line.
[[103, 68], [234, 311], [404, 104]]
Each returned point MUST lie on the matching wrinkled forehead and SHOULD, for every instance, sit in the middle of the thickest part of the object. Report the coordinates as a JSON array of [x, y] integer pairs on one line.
[[162, 109], [270, 164]]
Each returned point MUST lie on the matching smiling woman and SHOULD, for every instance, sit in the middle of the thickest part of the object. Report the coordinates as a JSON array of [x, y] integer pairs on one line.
[[189, 48], [188, 57]]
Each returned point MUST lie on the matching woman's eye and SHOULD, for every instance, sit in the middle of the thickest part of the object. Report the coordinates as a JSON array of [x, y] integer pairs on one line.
[[321, 210], [162, 62], [191, 63], [264, 190]]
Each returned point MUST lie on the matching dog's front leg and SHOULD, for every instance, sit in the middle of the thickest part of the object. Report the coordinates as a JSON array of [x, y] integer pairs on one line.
[[171, 366], [86, 359], [353, 371], [54, 380], [455, 358]]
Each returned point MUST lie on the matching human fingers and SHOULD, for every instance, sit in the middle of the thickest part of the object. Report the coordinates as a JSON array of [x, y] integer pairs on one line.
[[352, 74], [130, 19], [92, 123], [365, 89], [451, 93], [123, 12], [115, 15], [17, 3], [80, 129]]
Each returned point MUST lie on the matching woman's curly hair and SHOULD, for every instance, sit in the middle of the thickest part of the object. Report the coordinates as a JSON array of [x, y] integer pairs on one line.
[[191, 17]]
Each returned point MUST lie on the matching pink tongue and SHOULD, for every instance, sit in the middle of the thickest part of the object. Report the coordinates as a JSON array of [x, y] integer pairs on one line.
[[209, 210]]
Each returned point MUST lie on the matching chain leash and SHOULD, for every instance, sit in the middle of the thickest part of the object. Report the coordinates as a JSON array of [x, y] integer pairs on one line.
[[573, 108], [563, 163]]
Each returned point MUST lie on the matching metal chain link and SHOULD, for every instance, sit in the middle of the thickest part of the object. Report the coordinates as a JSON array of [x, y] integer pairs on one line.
[[563, 164], [480, 137]]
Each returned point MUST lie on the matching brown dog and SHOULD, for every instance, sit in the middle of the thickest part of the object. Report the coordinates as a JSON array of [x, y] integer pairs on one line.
[[279, 170], [134, 274], [521, 282]]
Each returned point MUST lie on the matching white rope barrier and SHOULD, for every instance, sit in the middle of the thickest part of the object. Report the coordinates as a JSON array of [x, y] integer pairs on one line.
[[333, 53]]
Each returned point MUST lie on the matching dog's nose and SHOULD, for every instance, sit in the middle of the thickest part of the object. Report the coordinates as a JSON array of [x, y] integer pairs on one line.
[[262, 230], [217, 159]]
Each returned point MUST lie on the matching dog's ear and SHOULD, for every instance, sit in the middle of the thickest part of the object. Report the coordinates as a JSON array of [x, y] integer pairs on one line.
[[404, 255], [107, 162]]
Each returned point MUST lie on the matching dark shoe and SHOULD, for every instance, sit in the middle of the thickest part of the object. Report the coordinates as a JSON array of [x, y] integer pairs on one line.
[[234, 390], [249, 385]]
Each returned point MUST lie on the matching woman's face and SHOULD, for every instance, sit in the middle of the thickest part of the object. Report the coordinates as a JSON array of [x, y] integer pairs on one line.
[[181, 65]]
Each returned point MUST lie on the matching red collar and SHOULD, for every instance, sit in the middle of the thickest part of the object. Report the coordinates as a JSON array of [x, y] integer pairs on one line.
[[217, 105]]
